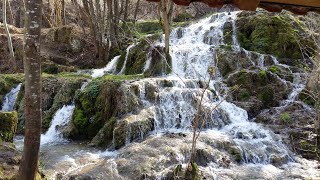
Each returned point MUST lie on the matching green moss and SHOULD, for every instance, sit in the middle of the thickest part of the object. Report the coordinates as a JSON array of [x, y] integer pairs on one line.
[[182, 17], [236, 153], [242, 77], [244, 95], [267, 96], [285, 118], [9, 81], [8, 125], [263, 74], [105, 135], [148, 27], [79, 119], [274, 69], [227, 33], [306, 98], [272, 34], [193, 172]]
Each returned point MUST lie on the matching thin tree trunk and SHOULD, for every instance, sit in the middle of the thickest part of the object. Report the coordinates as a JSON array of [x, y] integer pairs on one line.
[[126, 8], [136, 11], [63, 13], [32, 109], [12, 59], [166, 24]]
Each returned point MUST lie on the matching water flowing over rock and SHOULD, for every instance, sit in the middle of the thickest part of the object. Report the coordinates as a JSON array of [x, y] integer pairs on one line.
[[60, 119], [149, 120], [10, 99]]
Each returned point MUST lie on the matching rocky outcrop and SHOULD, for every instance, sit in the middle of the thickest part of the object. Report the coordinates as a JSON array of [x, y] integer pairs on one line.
[[9, 161], [101, 101], [257, 90], [262, 32], [57, 90], [8, 121], [295, 123]]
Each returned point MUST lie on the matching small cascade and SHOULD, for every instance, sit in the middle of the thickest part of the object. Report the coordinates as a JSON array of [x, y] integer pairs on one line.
[[148, 62], [110, 68], [10, 99], [123, 69], [192, 52], [60, 119]]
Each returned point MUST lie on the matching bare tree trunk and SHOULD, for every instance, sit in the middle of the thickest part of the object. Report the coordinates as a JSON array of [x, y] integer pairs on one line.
[[63, 12], [12, 59], [32, 109], [136, 11], [166, 23], [126, 8]]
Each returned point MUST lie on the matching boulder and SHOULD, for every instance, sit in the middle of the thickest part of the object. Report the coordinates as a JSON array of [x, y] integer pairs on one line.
[[8, 121], [262, 32], [258, 89], [295, 124]]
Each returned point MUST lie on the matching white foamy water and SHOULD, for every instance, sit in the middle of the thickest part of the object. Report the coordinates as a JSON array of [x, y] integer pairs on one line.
[[175, 106], [110, 68], [10, 99], [60, 119], [123, 69]]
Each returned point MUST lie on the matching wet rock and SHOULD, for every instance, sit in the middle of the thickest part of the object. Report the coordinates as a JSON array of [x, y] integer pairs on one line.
[[9, 161], [262, 32], [160, 63], [57, 91], [278, 160], [256, 87], [203, 157], [8, 121], [295, 125], [133, 127], [229, 61]]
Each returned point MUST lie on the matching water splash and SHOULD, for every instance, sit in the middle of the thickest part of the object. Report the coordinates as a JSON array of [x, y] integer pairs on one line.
[[10, 99], [123, 69], [60, 119], [110, 68]]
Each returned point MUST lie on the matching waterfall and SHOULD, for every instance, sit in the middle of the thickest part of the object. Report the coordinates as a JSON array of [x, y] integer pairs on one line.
[[110, 68], [123, 69], [60, 119], [193, 52], [10, 99]]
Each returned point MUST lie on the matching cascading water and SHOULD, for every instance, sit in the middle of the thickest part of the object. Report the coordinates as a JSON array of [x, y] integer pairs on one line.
[[61, 118], [10, 99], [110, 68], [126, 58], [193, 52]]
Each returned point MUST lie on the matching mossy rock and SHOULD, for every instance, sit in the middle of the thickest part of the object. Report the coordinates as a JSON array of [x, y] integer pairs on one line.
[[105, 135], [148, 27], [57, 90], [279, 34], [138, 55], [182, 17], [160, 64], [261, 85], [8, 125], [133, 127], [192, 172], [227, 33], [102, 99]]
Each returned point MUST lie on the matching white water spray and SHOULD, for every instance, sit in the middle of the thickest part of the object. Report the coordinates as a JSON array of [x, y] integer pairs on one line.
[[10, 99]]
